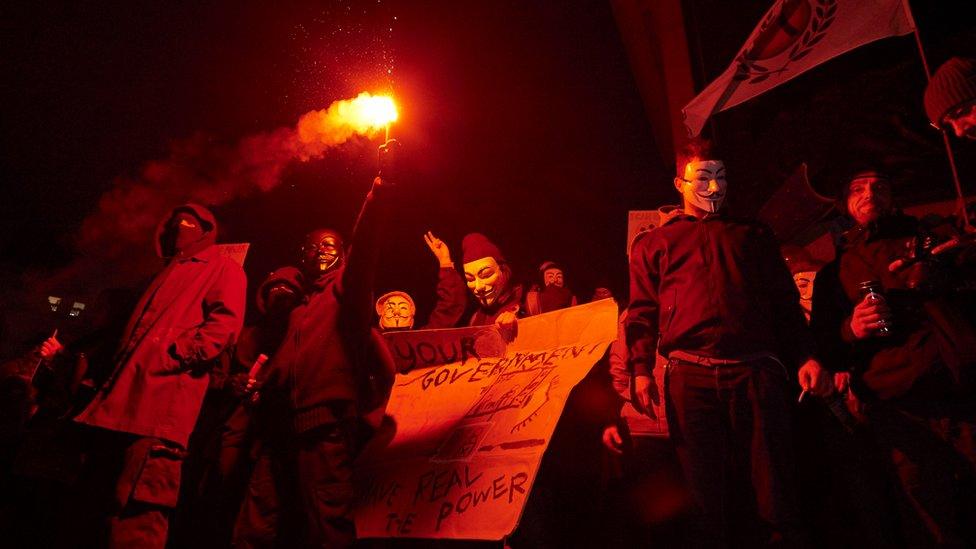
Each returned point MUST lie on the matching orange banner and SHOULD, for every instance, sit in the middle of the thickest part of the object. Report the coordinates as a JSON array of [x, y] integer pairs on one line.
[[463, 440]]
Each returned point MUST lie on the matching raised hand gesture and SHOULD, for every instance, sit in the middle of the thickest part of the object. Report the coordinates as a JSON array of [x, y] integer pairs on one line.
[[439, 249]]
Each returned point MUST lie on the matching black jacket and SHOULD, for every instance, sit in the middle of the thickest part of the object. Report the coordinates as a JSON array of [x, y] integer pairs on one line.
[[715, 287], [328, 356], [932, 345]]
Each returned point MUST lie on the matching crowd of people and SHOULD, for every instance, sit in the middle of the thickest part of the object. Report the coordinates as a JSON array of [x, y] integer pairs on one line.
[[182, 426]]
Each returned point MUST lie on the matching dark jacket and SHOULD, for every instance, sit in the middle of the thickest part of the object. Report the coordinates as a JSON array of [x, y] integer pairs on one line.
[[328, 354], [190, 313], [266, 335], [931, 344], [715, 287]]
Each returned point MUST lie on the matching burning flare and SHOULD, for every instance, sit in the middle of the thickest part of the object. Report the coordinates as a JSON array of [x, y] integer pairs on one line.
[[366, 114]]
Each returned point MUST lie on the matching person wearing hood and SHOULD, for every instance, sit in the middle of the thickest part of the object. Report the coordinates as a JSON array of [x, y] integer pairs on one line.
[[222, 448], [327, 373], [139, 421], [276, 298], [396, 310]]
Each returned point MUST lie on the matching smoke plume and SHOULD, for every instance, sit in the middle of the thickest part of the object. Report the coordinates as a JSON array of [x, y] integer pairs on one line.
[[198, 169]]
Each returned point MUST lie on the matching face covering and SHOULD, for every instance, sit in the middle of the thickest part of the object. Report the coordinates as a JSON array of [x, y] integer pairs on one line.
[[183, 231], [486, 279], [704, 185], [553, 277], [396, 313], [321, 253]]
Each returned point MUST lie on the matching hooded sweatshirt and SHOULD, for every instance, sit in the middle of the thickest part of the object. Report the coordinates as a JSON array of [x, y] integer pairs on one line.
[[329, 356], [265, 336]]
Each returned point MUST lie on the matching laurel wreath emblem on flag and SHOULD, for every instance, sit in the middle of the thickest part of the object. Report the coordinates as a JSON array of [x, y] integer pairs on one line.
[[779, 31], [792, 37]]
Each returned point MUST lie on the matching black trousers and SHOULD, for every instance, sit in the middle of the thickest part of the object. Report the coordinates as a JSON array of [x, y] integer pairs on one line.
[[730, 424]]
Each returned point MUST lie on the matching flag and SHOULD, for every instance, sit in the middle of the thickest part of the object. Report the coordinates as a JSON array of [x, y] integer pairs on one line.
[[795, 36]]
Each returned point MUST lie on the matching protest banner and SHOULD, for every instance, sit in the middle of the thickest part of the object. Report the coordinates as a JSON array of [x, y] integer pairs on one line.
[[464, 439]]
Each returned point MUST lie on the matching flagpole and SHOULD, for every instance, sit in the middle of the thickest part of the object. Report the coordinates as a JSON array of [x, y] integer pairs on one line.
[[960, 199]]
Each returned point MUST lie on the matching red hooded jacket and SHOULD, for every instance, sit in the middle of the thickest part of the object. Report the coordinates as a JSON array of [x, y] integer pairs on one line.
[[190, 313]]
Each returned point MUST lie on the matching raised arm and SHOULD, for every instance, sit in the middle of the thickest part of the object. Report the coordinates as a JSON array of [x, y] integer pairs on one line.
[[451, 296]]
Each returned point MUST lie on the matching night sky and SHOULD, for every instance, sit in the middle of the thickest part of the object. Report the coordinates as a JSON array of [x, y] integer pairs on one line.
[[519, 119]]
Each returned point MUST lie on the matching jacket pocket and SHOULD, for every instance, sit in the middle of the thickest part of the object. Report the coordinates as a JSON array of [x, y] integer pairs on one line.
[[158, 482], [670, 304], [167, 362]]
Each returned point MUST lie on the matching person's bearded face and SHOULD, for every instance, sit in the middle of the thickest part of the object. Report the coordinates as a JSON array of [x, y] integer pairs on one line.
[[397, 314], [703, 185], [553, 277], [321, 253], [486, 279], [869, 198]]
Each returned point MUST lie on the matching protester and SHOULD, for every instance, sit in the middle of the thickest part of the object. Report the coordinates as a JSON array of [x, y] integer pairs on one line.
[[804, 269], [396, 310], [730, 324], [325, 372], [840, 468], [141, 418], [890, 312], [221, 446], [553, 294], [489, 278], [950, 97], [253, 444]]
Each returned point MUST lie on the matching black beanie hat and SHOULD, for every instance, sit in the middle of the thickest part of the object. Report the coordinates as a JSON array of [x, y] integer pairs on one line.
[[952, 85], [857, 171]]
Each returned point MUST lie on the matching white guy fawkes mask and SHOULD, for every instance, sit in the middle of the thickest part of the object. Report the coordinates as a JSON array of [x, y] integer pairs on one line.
[[804, 283], [396, 311], [704, 185], [486, 279], [321, 252], [553, 277]]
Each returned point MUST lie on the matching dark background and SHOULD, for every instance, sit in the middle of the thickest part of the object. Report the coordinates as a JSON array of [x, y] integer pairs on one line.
[[520, 119]]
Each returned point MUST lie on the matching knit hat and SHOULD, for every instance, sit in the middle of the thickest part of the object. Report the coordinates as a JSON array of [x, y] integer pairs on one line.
[[396, 293], [476, 246], [952, 85]]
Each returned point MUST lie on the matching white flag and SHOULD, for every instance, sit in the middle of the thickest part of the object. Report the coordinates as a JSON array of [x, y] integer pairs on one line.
[[795, 36]]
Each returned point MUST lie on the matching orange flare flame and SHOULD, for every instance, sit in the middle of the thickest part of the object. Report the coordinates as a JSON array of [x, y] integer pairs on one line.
[[366, 114]]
